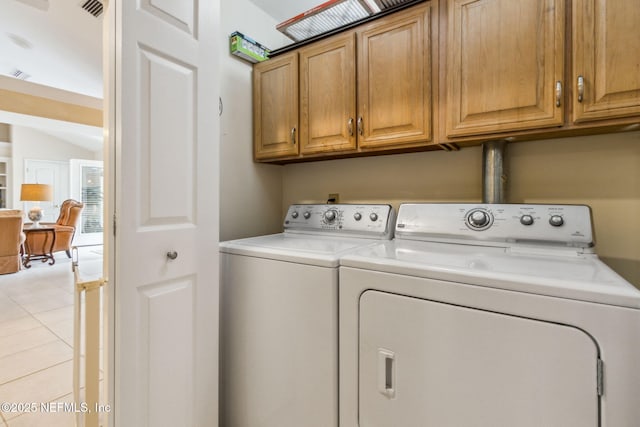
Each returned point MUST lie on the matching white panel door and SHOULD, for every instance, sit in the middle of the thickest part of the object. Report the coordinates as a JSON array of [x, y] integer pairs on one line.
[[49, 172], [424, 363], [164, 134]]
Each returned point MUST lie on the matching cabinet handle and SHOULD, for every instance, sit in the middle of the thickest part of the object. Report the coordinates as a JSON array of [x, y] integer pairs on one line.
[[580, 88], [360, 129], [350, 126], [558, 93], [293, 135]]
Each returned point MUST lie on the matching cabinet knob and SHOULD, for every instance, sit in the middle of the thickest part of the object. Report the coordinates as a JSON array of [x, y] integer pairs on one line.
[[350, 126], [580, 88], [172, 255], [558, 93], [360, 128], [293, 135]]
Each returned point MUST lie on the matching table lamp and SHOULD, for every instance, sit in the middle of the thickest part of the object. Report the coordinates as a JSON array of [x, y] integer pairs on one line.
[[36, 193]]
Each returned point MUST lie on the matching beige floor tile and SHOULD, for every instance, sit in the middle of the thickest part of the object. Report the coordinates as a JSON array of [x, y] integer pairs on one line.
[[37, 293], [21, 324], [24, 284], [21, 341], [63, 418], [60, 419], [27, 362], [47, 291], [63, 329], [37, 305], [57, 414], [42, 386], [6, 302], [12, 312], [55, 315]]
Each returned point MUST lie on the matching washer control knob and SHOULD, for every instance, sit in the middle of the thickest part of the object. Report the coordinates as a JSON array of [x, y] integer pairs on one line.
[[478, 219], [357, 216], [294, 214], [556, 220], [526, 220], [330, 215], [373, 216], [306, 215]]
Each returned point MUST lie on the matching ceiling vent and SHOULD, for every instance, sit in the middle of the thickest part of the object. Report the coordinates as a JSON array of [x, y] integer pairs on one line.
[[19, 74], [94, 7]]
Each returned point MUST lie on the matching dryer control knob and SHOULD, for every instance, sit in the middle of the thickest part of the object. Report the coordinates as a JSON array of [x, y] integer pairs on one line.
[[330, 215], [357, 216], [294, 214], [526, 220], [373, 216], [556, 220], [306, 215]]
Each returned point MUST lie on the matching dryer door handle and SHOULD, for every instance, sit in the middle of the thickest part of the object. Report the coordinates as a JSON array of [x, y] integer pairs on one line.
[[386, 372]]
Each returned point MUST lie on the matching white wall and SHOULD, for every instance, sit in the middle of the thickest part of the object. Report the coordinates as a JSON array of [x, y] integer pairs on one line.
[[5, 149], [250, 193], [28, 143], [601, 171], [5, 140]]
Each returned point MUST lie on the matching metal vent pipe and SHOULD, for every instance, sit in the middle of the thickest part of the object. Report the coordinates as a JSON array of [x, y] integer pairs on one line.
[[494, 178]]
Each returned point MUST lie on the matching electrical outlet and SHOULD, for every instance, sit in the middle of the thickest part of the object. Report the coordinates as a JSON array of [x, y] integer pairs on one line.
[[333, 198]]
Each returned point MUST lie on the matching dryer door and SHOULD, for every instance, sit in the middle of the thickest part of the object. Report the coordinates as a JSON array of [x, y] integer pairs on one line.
[[425, 363]]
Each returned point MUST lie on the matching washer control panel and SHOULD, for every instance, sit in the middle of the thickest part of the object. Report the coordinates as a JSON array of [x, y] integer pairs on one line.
[[567, 225], [346, 219]]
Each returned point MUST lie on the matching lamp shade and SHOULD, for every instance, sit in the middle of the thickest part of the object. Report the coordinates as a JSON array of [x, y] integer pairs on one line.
[[36, 193]]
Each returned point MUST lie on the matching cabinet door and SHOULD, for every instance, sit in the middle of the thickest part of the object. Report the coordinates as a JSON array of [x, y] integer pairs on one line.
[[394, 80], [275, 107], [328, 96], [606, 55], [505, 61]]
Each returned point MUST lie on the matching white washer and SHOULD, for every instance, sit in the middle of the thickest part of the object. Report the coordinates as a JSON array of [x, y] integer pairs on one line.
[[279, 315], [485, 316]]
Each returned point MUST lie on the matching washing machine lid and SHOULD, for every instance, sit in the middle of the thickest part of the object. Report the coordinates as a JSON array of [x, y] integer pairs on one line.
[[581, 277], [323, 251]]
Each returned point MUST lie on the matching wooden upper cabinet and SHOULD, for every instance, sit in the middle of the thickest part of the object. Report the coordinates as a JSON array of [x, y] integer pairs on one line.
[[328, 96], [394, 80], [606, 59], [505, 65], [275, 107]]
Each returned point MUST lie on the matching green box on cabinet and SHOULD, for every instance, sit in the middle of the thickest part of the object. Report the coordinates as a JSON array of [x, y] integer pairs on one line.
[[247, 48]]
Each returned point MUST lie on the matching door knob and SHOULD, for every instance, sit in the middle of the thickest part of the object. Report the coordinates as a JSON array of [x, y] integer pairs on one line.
[[172, 255]]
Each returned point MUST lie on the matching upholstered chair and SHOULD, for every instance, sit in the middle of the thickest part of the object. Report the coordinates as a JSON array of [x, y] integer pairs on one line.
[[65, 227], [11, 238]]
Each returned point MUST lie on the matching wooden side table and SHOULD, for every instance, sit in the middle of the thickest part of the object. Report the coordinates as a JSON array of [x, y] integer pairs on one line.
[[33, 251]]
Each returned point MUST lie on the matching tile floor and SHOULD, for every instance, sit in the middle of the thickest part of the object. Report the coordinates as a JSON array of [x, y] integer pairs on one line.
[[36, 338]]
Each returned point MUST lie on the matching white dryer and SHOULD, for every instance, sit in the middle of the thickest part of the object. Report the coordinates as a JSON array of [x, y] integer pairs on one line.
[[488, 316], [279, 315]]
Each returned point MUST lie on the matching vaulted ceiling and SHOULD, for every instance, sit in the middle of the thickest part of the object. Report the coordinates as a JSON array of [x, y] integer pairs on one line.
[[54, 43], [57, 43]]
